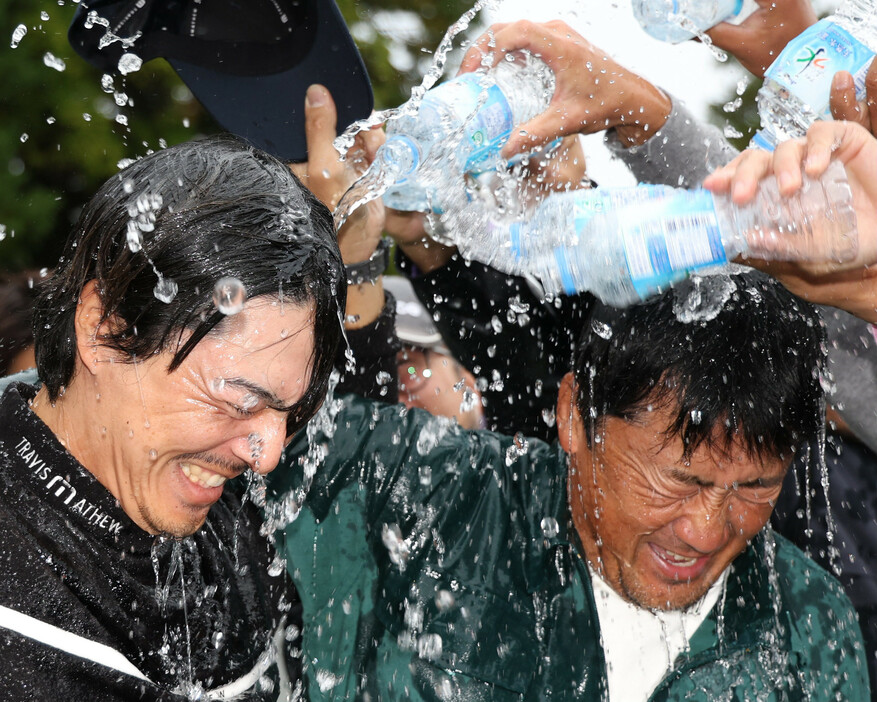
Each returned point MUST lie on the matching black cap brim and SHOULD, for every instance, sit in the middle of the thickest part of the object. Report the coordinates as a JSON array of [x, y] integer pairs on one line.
[[268, 110]]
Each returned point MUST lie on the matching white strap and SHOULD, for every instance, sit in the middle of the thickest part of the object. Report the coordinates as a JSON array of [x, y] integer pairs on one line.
[[79, 646], [271, 655], [66, 641]]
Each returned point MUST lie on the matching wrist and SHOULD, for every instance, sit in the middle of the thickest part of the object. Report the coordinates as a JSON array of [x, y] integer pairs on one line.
[[368, 269], [648, 111]]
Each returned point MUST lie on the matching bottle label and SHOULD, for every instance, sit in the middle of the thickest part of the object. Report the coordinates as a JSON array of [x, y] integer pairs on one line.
[[808, 63], [669, 238], [484, 112]]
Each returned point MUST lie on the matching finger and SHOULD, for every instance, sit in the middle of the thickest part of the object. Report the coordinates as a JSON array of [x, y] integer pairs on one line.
[[822, 139], [871, 97], [538, 131], [372, 140], [719, 181], [481, 50], [787, 161], [844, 105], [751, 168], [320, 127]]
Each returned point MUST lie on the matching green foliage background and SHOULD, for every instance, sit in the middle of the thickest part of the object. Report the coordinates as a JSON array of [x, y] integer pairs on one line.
[[59, 134]]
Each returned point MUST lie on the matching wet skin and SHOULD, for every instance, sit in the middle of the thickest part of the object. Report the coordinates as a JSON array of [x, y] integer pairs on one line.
[[165, 443], [659, 529]]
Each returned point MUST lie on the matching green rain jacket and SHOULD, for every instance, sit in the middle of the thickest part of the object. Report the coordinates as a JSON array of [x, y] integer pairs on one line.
[[438, 564]]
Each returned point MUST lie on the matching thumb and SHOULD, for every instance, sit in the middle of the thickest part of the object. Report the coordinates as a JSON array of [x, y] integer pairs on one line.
[[536, 133], [321, 119]]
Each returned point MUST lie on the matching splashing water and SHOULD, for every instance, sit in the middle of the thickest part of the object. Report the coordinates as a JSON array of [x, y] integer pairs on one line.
[[165, 289], [701, 298], [385, 170], [702, 36], [831, 529], [345, 141], [229, 295]]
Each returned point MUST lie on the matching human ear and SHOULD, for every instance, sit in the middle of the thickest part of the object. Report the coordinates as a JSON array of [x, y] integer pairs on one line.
[[569, 421], [89, 327]]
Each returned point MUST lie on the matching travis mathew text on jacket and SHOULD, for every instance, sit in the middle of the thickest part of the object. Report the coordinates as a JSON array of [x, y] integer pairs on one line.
[[59, 489]]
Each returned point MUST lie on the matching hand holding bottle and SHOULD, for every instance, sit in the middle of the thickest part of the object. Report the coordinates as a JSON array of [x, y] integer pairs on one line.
[[759, 39], [563, 170], [592, 92], [850, 285]]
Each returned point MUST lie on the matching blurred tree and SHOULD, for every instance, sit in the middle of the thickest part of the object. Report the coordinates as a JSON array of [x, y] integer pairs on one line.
[[62, 133]]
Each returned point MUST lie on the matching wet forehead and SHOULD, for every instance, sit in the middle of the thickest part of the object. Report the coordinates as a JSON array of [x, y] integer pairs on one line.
[[643, 445], [266, 348]]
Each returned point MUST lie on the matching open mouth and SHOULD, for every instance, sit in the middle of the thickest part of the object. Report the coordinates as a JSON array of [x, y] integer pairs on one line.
[[679, 565], [202, 477]]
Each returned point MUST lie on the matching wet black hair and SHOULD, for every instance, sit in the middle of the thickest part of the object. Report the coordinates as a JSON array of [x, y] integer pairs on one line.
[[202, 210], [751, 374]]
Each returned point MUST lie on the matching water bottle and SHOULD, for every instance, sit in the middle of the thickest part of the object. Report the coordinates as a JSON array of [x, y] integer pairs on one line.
[[797, 85], [627, 245], [460, 128], [676, 21]]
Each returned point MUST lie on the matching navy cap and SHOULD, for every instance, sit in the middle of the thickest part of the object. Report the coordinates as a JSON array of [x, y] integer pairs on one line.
[[249, 62]]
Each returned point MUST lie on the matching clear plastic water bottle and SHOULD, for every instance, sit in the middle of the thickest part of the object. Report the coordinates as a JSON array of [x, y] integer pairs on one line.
[[676, 21], [632, 243], [797, 85], [460, 128]]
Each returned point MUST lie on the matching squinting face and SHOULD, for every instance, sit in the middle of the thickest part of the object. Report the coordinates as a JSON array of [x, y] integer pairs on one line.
[[659, 529], [171, 440]]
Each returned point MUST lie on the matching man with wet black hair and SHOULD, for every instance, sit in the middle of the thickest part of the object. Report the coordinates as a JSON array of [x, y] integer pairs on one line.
[[632, 562], [190, 326]]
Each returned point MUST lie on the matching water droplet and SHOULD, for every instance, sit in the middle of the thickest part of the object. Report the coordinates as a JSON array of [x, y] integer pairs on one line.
[[24, 137], [548, 416], [731, 132], [217, 638], [326, 679], [165, 289], [2, 232], [134, 237], [153, 454], [696, 416], [86, 116], [444, 600], [429, 647], [53, 61], [601, 329], [229, 295], [44, 16], [398, 549], [550, 527], [129, 63], [17, 35], [733, 105]]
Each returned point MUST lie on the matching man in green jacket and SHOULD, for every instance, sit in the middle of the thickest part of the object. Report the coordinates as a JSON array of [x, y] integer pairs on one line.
[[632, 562]]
